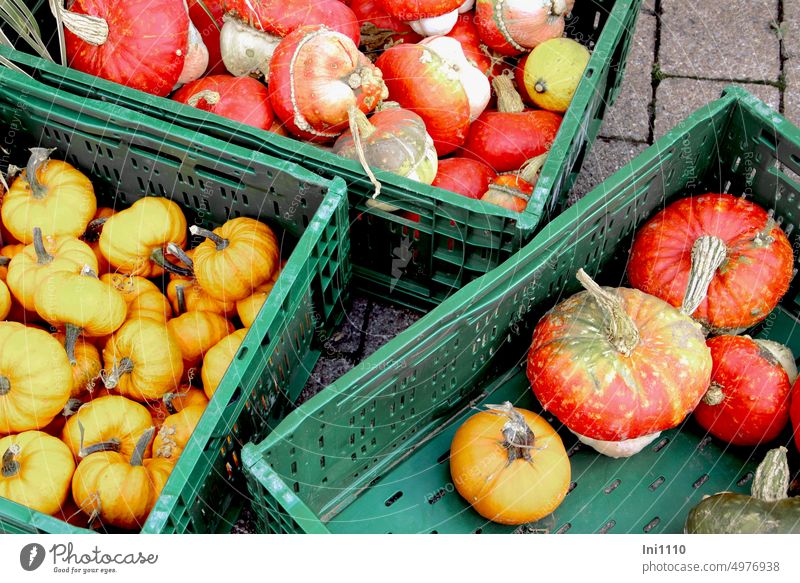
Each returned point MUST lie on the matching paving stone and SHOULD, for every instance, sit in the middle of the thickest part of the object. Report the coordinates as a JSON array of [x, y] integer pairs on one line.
[[385, 322], [629, 117], [791, 96], [347, 338], [791, 29], [605, 158], [720, 40], [649, 6], [676, 98]]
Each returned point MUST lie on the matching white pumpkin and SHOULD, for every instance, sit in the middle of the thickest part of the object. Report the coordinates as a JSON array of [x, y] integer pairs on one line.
[[436, 25]]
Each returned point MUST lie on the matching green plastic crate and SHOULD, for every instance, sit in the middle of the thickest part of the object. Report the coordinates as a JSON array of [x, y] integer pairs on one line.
[[456, 240], [370, 452], [130, 156]]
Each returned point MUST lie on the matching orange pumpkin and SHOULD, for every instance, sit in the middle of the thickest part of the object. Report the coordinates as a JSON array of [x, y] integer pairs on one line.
[[218, 359], [196, 332], [133, 240], [87, 364], [510, 465], [175, 432], [172, 403], [249, 307], [143, 360], [142, 296], [5, 300], [186, 295], [51, 195], [7, 253], [235, 258]]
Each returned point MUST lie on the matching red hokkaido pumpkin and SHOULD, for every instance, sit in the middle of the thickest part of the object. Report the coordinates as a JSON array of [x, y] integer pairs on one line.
[[511, 27], [422, 81], [316, 76], [747, 402], [741, 258], [464, 176], [616, 364], [281, 18], [794, 413], [242, 99], [138, 43], [379, 31], [507, 138], [408, 10]]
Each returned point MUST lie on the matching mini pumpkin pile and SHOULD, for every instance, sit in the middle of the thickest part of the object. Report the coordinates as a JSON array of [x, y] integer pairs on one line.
[[617, 366], [436, 60], [103, 377]]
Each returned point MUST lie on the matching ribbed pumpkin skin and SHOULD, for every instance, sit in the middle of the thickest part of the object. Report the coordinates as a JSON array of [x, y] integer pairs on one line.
[[147, 41], [196, 332], [218, 359], [26, 273], [196, 298], [87, 367], [249, 307], [748, 285], [756, 389], [129, 237], [155, 355], [598, 392], [5, 300], [248, 261], [106, 418], [45, 471], [160, 469], [143, 298], [67, 188], [39, 375]]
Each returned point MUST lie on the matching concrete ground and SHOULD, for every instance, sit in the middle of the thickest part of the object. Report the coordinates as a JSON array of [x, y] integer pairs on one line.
[[682, 55]]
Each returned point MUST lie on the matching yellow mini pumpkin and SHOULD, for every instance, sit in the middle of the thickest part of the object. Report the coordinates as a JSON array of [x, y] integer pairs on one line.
[[196, 332], [36, 471], [117, 490], [160, 469], [175, 432], [133, 240], [8, 253], [142, 296], [88, 364], [106, 422], [43, 257], [218, 359], [186, 295], [5, 300], [50, 194], [249, 307], [235, 258], [82, 304], [35, 378], [171, 403], [143, 360]]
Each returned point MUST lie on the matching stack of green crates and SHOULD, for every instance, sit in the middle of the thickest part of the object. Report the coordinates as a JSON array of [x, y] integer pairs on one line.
[[370, 452], [128, 156], [420, 262]]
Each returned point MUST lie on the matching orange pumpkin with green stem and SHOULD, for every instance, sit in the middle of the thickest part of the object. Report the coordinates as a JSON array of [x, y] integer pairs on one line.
[[36, 471], [43, 257], [235, 258], [82, 304], [143, 360], [35, 378], [117, 490], [133, 240], [42, 193]]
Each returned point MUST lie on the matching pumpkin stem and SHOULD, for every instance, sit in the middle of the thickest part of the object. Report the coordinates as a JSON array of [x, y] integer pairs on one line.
[[93, 230], [4, 261], [540, 86], [763, 237], [508, 99], [210, 97], [71, 407], [714, 395], [518, 437], [771, 482], [141, 446], [375, 39], [111, 380], [42, 256], [112, 444], [10, 465], [180, 294], [708, 254], [5, 385], [355, 129], [38, 157], [216, 239], [529, 172], [168, 398], [157, 256], [88, 272], [88, 28], [505, 189], [384, 105], [180, 254], [72, 333], [364, 126], [620, 327]]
